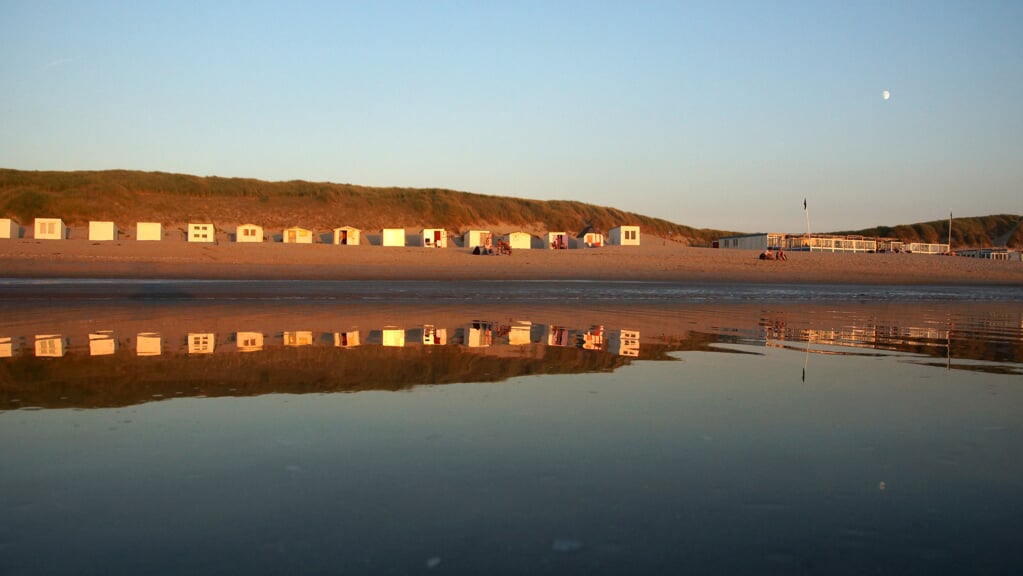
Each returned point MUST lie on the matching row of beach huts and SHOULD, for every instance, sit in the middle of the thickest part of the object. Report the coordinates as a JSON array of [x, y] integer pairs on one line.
[[205, 232]]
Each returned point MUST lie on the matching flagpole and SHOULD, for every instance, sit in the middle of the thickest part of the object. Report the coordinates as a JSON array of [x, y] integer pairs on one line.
[[809, 244], [949, 231]]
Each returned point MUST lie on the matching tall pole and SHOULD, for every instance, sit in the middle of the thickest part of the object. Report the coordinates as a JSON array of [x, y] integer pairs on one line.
[[809, 245], [949, 231]]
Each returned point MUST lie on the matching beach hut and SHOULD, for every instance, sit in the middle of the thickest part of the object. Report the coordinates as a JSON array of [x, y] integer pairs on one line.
[[298, 338], [102, 231], [249, 341], [149, 231], [9, 228], [50, 346], [202, 233], [102, 343], [248, 233], [201, 342], [593, 239], [392, 237], [519, 240], [624, 236], [296, 235], [348, 339], [346, 236], [148, 344], [519, 333], [624, 343], [557, 240], [50, 229], [474, 238], [435, 238]]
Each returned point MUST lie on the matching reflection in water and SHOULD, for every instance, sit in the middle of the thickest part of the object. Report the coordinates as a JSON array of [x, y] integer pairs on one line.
[[672, 437]]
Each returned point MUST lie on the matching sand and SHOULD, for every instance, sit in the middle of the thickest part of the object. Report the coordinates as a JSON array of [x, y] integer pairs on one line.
[[656, 259]]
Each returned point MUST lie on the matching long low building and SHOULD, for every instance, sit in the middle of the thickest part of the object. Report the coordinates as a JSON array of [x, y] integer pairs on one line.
[[825, 243]]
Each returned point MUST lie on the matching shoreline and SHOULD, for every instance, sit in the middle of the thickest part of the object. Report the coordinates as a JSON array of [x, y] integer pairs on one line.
[[656, 260]]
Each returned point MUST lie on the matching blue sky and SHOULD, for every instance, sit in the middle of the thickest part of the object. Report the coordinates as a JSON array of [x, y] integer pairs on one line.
[[718, 114]]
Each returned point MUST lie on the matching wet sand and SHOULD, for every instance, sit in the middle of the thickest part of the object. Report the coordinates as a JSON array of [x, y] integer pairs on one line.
[[656, 259]]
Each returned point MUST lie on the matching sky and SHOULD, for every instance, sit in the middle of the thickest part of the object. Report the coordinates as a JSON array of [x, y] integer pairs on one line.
[[720, 114]]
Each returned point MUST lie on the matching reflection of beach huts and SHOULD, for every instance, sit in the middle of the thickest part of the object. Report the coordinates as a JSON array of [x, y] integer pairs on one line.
[[148, 231], [249, 341], [519, 240], [102, 231], [348, 339], [474, 238], [392, 237], [433, 336], [297, 235], [624, 236], [394, 337], [102, 343], [6, 347], [481, 334], [298, 338], [248, 233], [50, 346], [557, 240], [519, 333], [557, 336], [201, 342], [201, 232], [50, 229], [624, 343], [435, 238], [148, 344], [9, 228], [593, 339], [593, 239], [346, 236]]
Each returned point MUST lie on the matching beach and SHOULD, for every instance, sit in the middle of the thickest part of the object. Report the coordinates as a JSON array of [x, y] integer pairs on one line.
[[656, 259]]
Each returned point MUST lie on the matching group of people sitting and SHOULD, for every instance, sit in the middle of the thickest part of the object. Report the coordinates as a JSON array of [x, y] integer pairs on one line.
[[488, 248], [770, 255]]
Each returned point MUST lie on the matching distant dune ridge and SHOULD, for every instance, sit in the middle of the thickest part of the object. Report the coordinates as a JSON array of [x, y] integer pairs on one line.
[[127, 197]]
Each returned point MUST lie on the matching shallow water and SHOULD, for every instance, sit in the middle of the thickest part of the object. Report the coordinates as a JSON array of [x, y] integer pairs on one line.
[[705, 429]]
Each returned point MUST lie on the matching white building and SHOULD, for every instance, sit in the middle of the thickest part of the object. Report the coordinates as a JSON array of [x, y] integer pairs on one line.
[[394, 337], [435, 238], [557, 240], [623, 236], [346, 236], [50, 229], [202, 233], [248, 233], [249, 341], [102, 343], [519, 240], [593, 239], [149, 231], [102, 231], [348, 339], [392, 237], [9, 228], [201, 342], [148, 344], [474, 238], [50, 346], [296, 235]]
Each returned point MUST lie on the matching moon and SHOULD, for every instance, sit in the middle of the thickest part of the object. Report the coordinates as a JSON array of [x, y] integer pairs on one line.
[[886, 94]]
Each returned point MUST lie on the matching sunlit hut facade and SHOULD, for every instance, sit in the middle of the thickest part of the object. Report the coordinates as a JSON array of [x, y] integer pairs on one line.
[[519, 240], [102, 231], [392, 237], [474, 238], [248, 233], [201, 232], [435, 238], [49, 229], [148, 231], [346, 236], [623, 236], [297, 235], [9, 228]]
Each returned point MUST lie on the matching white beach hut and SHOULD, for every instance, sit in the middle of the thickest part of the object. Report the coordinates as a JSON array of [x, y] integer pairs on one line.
[[474, 238], [9, 228], [593, 239], [149, 231], [249, 341], [435, 238], [433, 336], [346, 236], [298, 338], [248, 233], [102, 231], [624, 236], [519, 240], [148, 344], [296, 235], [102, 343], [50, 346], [50, 229], [557, 240], [392, 237], [7, 347], [348, 339], [202, 232], [201, 342], [394, 337]]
